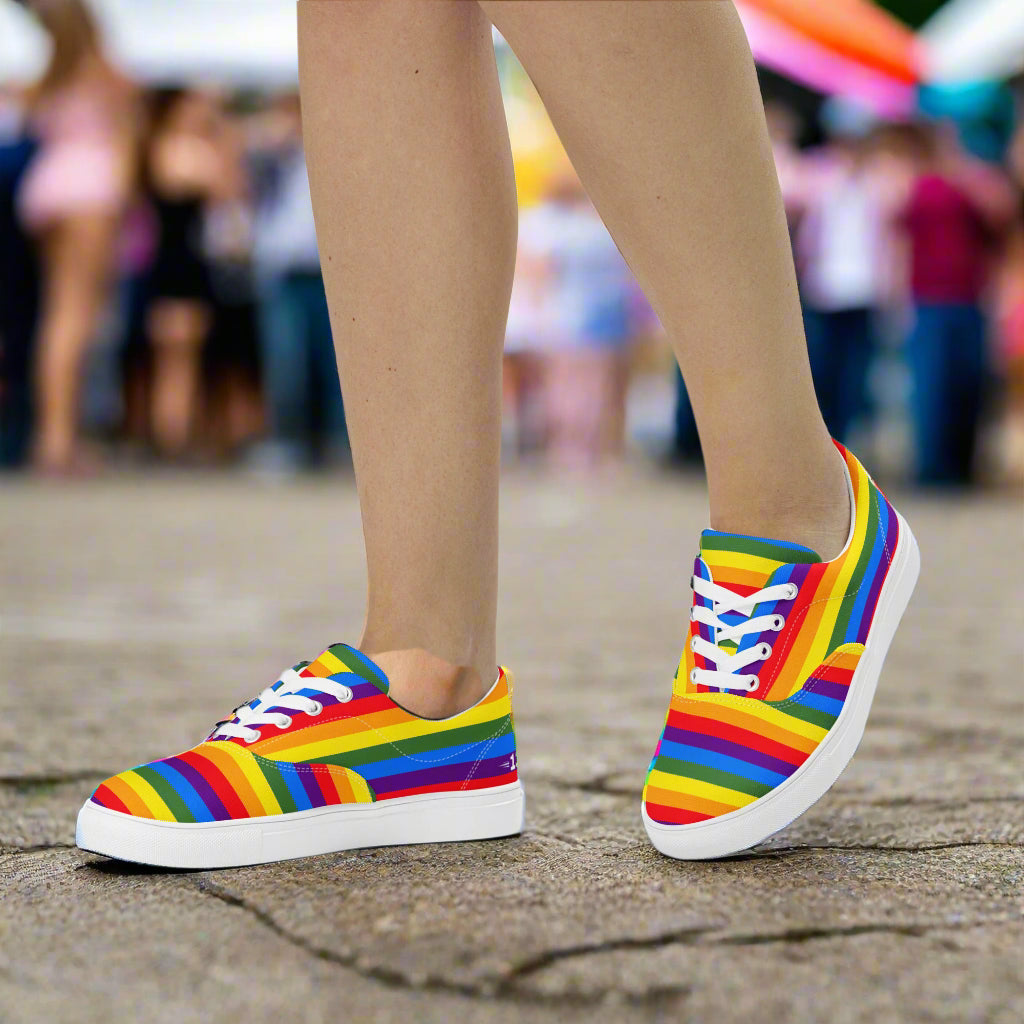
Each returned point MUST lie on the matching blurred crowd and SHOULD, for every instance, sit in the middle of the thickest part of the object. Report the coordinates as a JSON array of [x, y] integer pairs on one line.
[[161, 288], [907, 244], [161, 298]]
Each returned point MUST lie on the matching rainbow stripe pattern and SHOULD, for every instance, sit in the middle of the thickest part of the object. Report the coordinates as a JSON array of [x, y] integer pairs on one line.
[[721, 750], [363, 750]]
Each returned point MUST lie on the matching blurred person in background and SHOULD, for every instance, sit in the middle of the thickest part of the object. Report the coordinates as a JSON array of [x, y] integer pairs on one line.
[[188, 167], [523, 361], [71, 201], [955, 219], [1012, 321], [584, 323], [19, 287], [233, 414], [845, 261], [306, 417]]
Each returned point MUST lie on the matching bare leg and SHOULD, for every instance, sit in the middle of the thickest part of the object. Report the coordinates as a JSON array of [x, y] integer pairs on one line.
[[412, 183], [76, 257], [658, 108], [176, 331]]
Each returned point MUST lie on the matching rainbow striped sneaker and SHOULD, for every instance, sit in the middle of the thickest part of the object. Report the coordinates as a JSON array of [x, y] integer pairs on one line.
[[321, 761], [773, 690]]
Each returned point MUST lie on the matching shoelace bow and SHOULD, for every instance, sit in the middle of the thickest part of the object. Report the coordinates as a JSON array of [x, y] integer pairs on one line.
[[727, 665], [247, 718]]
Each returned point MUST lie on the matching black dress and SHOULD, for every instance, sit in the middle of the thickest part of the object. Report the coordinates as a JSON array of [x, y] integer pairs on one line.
[[179, 268]]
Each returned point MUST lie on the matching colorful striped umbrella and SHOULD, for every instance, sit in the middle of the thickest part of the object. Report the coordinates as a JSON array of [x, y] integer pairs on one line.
[[846, 47]]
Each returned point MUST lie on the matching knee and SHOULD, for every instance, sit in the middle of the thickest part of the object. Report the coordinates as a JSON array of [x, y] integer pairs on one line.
[[176, 327]]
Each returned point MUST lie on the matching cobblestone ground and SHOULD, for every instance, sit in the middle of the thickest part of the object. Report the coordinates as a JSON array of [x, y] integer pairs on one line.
[[137, 610]]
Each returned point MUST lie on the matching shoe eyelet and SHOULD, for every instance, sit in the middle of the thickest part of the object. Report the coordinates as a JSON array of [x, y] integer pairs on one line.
[[752, 684], [765, 650], [693, 675], [793, 591], [348, 695], [319, 709], [247, 740], [693, 643], [778, 622], [284, 722]]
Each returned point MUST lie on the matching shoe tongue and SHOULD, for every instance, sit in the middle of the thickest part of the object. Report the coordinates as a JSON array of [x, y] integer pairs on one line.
[[745, 564], [341, 658]]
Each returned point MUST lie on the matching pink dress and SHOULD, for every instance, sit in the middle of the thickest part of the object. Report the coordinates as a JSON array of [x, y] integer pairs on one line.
[[79, 165]]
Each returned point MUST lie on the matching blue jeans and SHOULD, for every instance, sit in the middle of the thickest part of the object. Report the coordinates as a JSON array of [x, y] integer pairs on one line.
[[946, 351], [299, 369], [840, 344], [19, 308]]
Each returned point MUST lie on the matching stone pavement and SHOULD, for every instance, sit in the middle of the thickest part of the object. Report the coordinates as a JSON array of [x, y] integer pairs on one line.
[[136, 610]]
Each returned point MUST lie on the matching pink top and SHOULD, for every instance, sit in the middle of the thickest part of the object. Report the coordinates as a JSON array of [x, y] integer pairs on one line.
[[79, 166]]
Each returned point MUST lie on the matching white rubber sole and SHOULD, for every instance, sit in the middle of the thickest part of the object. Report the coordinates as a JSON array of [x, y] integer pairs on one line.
[[740, 829], [429, 818]]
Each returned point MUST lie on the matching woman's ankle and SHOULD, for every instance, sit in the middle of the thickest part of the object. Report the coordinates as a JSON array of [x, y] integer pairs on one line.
[[429, 686], [812, 509]]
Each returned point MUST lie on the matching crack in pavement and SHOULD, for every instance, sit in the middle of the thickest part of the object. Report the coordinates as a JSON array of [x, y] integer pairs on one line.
[[13, 850], [509, 985], [387, 976], [503, 988], [697, 937], [797, 935], [767, 852]]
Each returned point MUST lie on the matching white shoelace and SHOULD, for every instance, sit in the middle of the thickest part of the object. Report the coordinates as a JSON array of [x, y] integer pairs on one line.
[[250, 718], [723, 601]]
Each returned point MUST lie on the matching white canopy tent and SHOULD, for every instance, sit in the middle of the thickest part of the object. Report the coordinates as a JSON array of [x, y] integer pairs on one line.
[[238, 42], [972, 40], [22, 46]]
